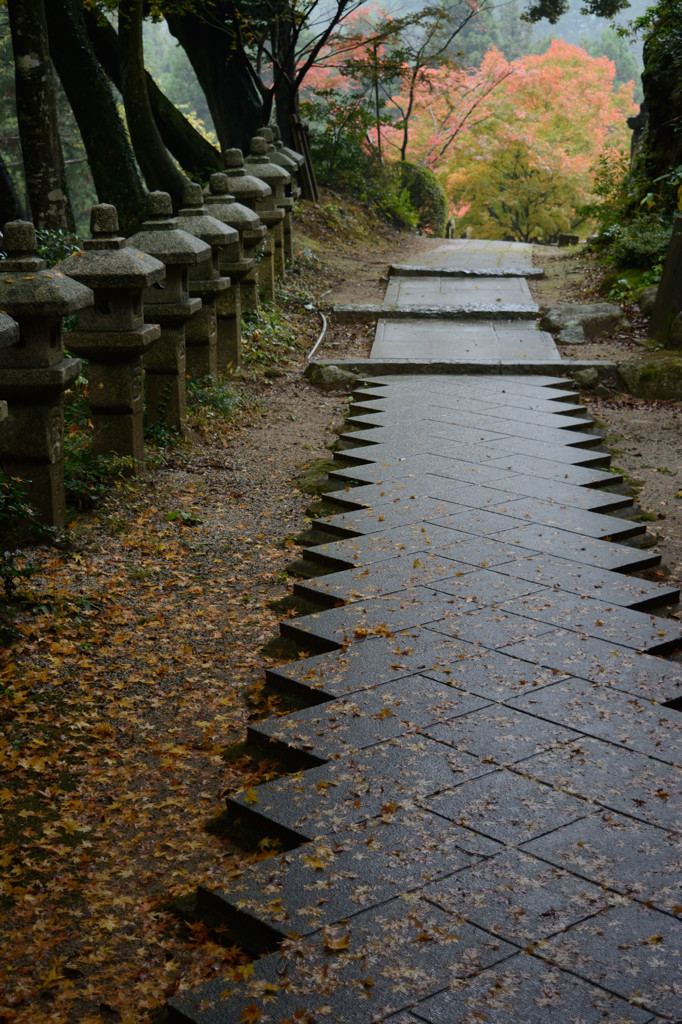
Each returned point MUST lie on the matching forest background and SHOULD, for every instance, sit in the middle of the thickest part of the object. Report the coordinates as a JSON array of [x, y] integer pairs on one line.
[[457, 110]]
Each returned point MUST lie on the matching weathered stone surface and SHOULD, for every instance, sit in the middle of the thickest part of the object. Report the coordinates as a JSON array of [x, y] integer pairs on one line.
[[659, 376], [586, 378], [330, 378], [595, 319], [646, 299], [574, 335]]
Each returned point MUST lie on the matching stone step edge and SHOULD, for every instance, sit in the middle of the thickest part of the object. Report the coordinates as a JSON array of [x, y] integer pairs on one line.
[[416, 270], [605, 370], [466, 312]]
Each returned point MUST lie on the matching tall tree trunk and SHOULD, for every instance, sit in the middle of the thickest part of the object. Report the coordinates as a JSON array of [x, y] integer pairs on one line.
[[156, 164], [286, 86], [10, 204], [110, 155], [192, 151], [37, 116], [221, 68]]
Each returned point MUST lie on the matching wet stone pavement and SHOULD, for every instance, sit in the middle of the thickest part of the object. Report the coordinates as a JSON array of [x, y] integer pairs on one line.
[[485, 824]]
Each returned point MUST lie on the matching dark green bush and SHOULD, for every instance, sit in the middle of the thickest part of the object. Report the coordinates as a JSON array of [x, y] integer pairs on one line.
[[427, 196], [641, 242]]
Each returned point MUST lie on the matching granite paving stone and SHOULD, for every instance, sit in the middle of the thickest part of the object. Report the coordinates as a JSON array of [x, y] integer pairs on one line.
[[325, 882], [431, 453], [366, 521], [484, 587], [613, 777], [377, 616], [491, 627], [331, 797], [490, 673], [565, 494], [631, 950], [539, 433], [348, 724], [540, 448], [507, 807], [579, 476], [500, 735], [421, 541], [603, 662], [590, 581], [449, 291], [557, 418], [464, 254], [523, 990], [472, 495], [545, 513], [595, 618], [518, 897], [381, 961], [579, 548], [354, 668], [634, 722], [417, 467], [384, 577], [627, 856], [442, 334]]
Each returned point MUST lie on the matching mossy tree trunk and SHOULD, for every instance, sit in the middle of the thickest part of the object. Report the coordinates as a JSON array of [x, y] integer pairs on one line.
[[110, 155], [10, 204], [223, 73], [37, 116], [156, 164], [192, 151]]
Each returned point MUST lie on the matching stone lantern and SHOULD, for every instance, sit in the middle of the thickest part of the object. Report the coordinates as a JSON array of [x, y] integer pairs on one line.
[[298, 158], [271, 210], [238, 262], [250, 191], [170, 306], [112, 335], [34, 373], [206, 282], [280, 157]]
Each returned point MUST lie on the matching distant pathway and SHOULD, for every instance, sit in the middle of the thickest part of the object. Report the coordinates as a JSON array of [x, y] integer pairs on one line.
[[486, 826]]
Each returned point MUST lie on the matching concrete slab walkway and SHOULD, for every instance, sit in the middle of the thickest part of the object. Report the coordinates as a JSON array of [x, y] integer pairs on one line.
[[485, 822], [490, 301]]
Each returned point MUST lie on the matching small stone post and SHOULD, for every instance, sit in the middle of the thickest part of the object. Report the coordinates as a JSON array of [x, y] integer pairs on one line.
[[34, 373], [238, 261], [112, 335], [272, 209], [206, 282], [170, 306]]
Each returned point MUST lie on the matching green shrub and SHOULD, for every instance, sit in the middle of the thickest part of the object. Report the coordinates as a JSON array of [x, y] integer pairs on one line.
[[641, 242], [427, 197]]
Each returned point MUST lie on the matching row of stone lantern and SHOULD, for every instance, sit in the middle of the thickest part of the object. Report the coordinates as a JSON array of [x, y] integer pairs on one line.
[[190, 275]]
